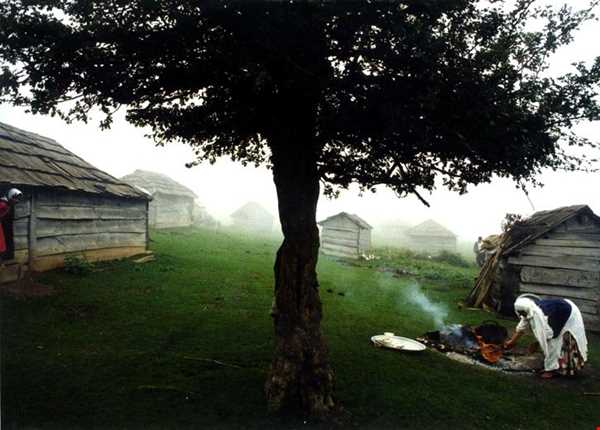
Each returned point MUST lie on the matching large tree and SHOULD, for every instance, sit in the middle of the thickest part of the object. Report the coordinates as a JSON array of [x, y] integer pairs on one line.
[[324, 92]]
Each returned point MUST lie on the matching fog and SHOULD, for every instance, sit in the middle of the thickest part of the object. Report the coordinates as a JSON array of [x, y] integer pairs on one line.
[[225, 186]]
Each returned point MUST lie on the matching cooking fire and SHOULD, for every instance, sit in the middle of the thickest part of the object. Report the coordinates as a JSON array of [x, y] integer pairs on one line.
[[483, 344]]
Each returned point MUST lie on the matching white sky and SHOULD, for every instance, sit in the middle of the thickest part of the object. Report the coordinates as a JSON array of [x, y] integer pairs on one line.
[[225, 186]]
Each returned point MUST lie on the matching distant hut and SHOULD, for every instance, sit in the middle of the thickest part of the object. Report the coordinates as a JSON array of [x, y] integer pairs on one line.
[[391, 233], [69, 207], [345, 235], [431, 237], [172, 204], [202, 218], [252, 216], [553, 253]]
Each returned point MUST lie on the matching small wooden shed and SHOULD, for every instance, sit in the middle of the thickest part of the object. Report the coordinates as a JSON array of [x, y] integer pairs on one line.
[[432, 237], [69, 207], [553, 253], [172, 204], [345, 235], [252, 216]]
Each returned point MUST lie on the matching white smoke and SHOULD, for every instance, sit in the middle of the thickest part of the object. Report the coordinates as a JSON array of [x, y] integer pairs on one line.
[[438, 312]]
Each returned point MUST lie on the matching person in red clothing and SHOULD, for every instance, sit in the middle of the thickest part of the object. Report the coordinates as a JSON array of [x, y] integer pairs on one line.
[[6, 203]]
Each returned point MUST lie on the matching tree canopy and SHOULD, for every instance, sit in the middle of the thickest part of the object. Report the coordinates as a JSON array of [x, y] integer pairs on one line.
[[397, 92], [394, 93]]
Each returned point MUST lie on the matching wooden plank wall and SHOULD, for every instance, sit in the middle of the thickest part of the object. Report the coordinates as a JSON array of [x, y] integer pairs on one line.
[[565, 263], [21, 226], [171, 211], [68, 222], [364, 240], [339, 238]]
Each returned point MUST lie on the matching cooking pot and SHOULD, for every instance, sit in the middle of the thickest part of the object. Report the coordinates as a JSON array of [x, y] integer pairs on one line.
[[491, 332]]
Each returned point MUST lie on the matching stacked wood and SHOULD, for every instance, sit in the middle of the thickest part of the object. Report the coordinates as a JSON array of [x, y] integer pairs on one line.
[[480, 294]]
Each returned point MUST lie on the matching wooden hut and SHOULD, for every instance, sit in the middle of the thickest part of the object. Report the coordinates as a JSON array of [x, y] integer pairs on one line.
[[553, 253], [345, 235], [172, 204], [431, 237], [202, 218], [252, 216], [69, 207]]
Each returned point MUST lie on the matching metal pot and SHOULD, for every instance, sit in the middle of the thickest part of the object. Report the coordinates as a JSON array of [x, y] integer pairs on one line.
[[491, 332]]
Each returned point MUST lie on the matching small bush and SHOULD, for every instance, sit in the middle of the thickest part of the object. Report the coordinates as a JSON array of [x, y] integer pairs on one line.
[[77, 265], [451, 258]]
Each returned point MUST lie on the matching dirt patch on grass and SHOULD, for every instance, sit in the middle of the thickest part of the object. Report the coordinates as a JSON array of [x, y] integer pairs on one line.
[[25, 289], [80, 311]]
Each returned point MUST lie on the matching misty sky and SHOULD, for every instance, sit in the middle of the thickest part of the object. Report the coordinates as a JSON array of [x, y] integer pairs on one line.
[[225, 186]]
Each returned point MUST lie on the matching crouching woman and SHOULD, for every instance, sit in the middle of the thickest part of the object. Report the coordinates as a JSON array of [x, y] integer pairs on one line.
[[558, 327]]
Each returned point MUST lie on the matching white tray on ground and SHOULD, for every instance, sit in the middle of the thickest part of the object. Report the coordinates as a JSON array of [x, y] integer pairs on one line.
[[398, 342]]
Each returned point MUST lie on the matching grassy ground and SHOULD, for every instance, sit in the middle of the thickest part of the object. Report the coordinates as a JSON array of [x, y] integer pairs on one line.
[[130, 346]]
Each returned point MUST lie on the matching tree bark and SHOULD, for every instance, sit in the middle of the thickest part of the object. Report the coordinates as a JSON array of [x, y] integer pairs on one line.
[[300, 375]]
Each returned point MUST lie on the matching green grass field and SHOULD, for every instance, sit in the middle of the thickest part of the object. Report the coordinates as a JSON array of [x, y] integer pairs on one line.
[[134, 346]]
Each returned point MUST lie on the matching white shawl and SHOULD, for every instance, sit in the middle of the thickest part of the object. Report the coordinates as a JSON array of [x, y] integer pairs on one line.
[[535, 319]]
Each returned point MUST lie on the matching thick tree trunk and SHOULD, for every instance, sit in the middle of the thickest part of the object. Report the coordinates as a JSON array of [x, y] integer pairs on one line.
[[300, 375]]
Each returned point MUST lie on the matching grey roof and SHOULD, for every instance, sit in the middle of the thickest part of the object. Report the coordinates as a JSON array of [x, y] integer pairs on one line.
[[28, 159], [352, 217], [252, 210], [430, 228], [524, 232], [154, 182]]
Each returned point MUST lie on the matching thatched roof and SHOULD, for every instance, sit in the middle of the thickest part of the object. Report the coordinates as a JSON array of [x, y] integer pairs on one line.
[[28, 159], [352, 217], [430, 228], [524, 232], [252, 210], [153, 183]]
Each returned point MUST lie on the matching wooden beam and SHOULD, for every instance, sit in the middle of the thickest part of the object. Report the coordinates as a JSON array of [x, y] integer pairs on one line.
[[584, 305], [336, 229], [79, 199], [560, 277], [341, 248], [44, 263], [570, 243], [573, 236], [336, 241], [58, 212], [85, 242], [560, 251], [564, 292], [54, 228], [566, 262]]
